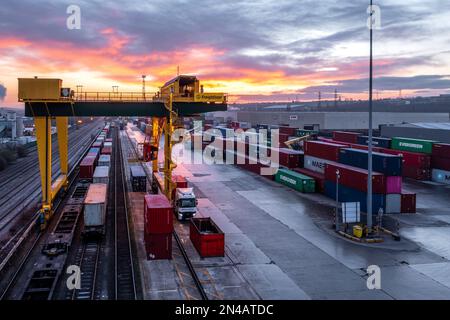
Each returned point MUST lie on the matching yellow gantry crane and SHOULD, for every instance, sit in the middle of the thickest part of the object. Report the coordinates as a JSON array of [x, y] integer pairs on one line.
[[47, 99]]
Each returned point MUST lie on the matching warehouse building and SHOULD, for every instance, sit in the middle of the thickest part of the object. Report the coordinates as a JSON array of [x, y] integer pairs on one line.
[[419, 130]]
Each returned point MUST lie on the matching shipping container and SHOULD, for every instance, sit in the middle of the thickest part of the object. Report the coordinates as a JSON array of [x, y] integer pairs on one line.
[[364, 147], [376, 141], [347, 194], [386, 164], [355, 178], [207, 237], [289, 158], [158, 246], [108, 140], [441, 176], [94, 150], [138, 179], [350, 137], [315, 164], [295, 180], [319, 178], [413, 145], [441, 150], [322, 150], [408, 202], [87, 167], [411, 159], [104, 160], [416, 173], [107, 144], [290, 131], [440, 163], [106, 150], [393, 184], [158, 214], [101, 175], [97, 144], [393, 203], [95, 208], [303, 132]]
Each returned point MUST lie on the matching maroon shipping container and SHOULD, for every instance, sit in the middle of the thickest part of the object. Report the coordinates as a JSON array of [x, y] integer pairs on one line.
[[411, 159], [87, 167], [329, 140], [158, 214], [207, 237], [97, 144], [408, 202], [106, 150], [318, 178], [180, 182], [158, 246], [350, 137], [441, 150], [290, 131], [323, 150], [289, 158], [440, 163], [416, 173], [108, 140], [355, 178]]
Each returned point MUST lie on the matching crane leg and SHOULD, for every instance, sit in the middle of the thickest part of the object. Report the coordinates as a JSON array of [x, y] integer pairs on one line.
[[155, 140], [63, 141]]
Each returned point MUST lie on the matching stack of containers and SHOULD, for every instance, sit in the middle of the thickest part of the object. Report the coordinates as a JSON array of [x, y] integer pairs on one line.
[[389, 198], [440, 162], [107, 148], [415, 165], [101, 175], [343, 136], [295, 180], [104, 160], [376, 141], [87, 166], [158, 227]]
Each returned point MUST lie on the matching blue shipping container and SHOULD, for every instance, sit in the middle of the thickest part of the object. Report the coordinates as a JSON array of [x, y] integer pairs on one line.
[[347, 194], [94, 150], [376, 141], [387, 164]]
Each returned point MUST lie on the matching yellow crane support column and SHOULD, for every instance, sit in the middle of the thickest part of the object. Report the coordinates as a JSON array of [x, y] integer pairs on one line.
[[63, 141], [155, 141], [168, 165], [44, 144]]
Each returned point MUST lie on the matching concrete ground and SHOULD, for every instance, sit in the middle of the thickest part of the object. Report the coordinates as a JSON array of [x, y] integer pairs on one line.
[[280, 245]]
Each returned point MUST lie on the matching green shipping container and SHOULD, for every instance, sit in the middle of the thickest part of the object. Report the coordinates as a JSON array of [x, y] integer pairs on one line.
[[296, 181], [413, 145]]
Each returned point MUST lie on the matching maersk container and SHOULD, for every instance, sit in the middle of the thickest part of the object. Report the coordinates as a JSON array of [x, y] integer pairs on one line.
[[315, 164], [350, 137], [355, 178], [323, 150], [347, 194], [101, 175], [440, 163], [295, 180], [389, 165], [104, 160], [441, 176], [393, 203], [441, 150], [95, 208], [413, 145], [376, 141]]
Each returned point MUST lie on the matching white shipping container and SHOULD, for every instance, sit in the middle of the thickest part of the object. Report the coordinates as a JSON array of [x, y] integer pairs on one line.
[[441, 176], [95, 205], [107, 144], [101, 175], [104, 160], [315, 164], [393, 203]]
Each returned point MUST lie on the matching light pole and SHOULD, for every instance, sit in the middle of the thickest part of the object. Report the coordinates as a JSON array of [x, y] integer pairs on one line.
[[369, 155], [337, 200]]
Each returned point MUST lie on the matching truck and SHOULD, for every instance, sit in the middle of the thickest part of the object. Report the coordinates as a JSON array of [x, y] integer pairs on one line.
[[185, 203]]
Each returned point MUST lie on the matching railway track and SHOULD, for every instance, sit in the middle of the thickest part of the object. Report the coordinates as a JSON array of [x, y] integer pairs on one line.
[[193, 274], [87, 259]]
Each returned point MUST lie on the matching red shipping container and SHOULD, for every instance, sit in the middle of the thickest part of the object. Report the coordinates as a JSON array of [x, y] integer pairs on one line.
[[416, 173], [158, 214], [290, 131], [411, 159], [97, 144], [87, 167], [106, 150], [408, 202], [441, 150], [350, 137], [440, 163], [323, 150], [318, 178], [289, 158], [180, 182], [207, 237], [355, 178], [108, 140], [158, 246]]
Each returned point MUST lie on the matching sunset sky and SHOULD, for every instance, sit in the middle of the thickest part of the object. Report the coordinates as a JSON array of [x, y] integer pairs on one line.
[[255, 50]]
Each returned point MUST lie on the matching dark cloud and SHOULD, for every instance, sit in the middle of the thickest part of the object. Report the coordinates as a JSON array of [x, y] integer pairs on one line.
[[2, 92]]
